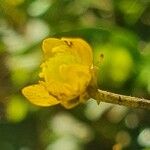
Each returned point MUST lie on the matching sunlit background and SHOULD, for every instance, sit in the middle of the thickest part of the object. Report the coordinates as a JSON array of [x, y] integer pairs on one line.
[[120, 29]]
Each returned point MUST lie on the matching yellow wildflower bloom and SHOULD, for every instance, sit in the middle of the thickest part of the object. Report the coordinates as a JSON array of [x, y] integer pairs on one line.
[[65, 73]]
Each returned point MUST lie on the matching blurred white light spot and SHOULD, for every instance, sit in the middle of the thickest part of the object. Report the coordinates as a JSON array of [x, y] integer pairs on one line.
[[38, 7], [144, 138], [117, 113], [14, 41], [65, 124], [29, 61], [94, 111], [36, 30], [131, 120], [64, 143]]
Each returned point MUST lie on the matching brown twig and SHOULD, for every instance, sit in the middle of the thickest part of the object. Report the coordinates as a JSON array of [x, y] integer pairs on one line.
[[108, 97]]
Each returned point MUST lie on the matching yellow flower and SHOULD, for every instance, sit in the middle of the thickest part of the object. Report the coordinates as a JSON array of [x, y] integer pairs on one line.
[[65, 73]]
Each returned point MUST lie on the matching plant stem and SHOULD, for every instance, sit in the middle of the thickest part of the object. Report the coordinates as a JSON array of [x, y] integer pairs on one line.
[[108, 97]]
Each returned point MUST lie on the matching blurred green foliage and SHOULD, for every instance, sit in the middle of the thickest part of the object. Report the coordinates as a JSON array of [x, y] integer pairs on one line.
[[119, 29]]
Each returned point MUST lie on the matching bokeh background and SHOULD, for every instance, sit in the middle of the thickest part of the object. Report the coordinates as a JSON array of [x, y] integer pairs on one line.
[[120, 29]]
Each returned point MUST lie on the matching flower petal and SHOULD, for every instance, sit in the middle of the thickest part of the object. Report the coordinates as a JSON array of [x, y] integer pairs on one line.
[[71, 103], [81, 48], [49, 44], [37, 94]]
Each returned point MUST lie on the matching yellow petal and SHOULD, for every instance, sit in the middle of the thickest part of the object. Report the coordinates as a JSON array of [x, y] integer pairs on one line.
[[37, 94], [81, 48], [77, 76], [71, 103], [77, 46], [49, 44]]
